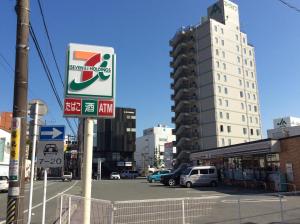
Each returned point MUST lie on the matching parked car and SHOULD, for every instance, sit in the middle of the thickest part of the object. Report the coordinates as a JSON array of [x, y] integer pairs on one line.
[[199, 176], [157, 175], [115, 176], [3, 183], [173, 178], [129, 174], [67, 176]]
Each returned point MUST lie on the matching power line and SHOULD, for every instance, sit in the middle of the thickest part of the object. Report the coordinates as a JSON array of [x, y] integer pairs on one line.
[[48, 73], [289, 5], [50, 43]]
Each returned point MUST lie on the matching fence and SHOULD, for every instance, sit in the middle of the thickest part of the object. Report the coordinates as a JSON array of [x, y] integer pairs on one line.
[[262, 209]]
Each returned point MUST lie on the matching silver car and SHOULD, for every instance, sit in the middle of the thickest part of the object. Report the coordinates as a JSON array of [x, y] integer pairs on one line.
[[199, 175]]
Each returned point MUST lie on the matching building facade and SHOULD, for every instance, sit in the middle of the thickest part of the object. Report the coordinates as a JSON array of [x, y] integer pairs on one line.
[[151, 146], [4, 152], [114, 142], [214, 82]]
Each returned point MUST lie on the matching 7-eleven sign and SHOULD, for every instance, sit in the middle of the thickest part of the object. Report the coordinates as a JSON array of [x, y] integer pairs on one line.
[[90, 81], [90, 71]]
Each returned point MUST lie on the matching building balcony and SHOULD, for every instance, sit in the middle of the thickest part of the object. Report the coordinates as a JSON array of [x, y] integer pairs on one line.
[[172, 108], [182, 141], [173, 120], [181, 71], [172, 85], [183, 47], [181, 33]]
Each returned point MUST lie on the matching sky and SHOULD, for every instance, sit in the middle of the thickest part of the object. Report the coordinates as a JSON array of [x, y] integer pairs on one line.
[[140, 31]]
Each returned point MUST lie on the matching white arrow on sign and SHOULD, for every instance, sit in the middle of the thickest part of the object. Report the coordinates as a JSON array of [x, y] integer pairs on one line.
[[54, 133]]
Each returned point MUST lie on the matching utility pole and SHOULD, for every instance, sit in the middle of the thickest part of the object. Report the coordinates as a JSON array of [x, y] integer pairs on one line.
[[15, 201]]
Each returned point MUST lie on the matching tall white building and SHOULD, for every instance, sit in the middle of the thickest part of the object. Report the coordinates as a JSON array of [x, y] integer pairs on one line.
[[214, 82], [150, 146]]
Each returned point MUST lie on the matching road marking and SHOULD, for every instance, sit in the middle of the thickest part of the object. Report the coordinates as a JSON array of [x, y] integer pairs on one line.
[[39, 186], [49, 199]]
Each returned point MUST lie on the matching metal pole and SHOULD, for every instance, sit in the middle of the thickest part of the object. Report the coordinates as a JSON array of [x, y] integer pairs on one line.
[[70, 208], [44, 197], [281, 208], [87, 169], [239, 210], [100, 169], [15, 201], [183, 213], [33, 160], [60, 208]]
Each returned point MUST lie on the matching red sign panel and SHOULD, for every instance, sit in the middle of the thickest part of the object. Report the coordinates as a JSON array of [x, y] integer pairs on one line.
[[72, 106], [106, 108]]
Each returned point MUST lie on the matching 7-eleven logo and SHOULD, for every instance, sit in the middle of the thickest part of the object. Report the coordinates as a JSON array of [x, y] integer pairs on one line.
[[95, 68]]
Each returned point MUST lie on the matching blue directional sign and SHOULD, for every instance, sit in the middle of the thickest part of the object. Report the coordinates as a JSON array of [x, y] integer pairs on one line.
[[52, 133]]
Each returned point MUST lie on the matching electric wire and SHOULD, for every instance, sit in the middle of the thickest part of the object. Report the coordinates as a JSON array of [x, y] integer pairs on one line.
[[289, 5], [50, 43], [48, 73]]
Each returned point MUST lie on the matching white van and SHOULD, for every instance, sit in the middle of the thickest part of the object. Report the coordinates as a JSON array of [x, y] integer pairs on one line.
[[199, 175]]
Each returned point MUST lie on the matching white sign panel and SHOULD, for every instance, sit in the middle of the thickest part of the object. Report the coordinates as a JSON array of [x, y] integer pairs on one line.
[[50, 154], [90, 71]]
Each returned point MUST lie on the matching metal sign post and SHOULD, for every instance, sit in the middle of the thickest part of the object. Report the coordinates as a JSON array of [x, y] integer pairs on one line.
[[87, 169], [89, 93], [99, 176], [44, 196], [50, 153]]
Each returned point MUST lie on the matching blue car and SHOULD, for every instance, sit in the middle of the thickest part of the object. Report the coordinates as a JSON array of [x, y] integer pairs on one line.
[[156, 175]]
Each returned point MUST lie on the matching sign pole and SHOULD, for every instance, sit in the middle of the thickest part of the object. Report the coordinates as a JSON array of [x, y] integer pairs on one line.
[[44, 196], [33, 160], [87, 169]]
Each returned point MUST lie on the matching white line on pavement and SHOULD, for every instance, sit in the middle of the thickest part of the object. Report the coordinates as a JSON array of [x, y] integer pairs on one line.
[[49, 199], [252, 200]]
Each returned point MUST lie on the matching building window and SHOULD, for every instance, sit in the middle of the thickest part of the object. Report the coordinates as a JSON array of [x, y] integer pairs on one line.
[[251, 64], [241, 94], [223, 141], [216, 40], [242, 106], [243, 118], [251, 131], [245, 131], [239, 71], [248, 94], [229, 141], [219, 89], [225, 90], [253, 86], [221, 114], [237, 37], [250, 119], [228, 129], [250, 52], [249, 107], [222, 41], [216, 28], [245, 52], [218, 64], [247, 73], [254, 96], [223, 54], [252, 74], [221, 128], [244, 40], [237, 48], [255, 108], [219, 76], [240, 81], [226, 103], [224, 66], [222, 30], [227, 116], [257, 132], [245, 61], [225, 78], [256, 120], [217, 52], [247, 84], [220, 102], [238, 59]]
